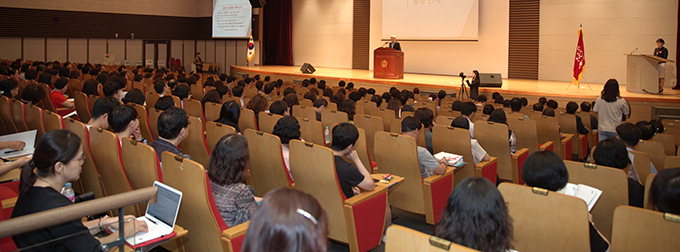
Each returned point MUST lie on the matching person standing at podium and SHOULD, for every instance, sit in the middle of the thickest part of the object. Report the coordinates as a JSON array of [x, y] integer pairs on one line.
[[394, 44], [661, 52]]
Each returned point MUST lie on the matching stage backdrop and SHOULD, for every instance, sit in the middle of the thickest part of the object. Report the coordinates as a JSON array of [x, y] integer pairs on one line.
[[611, 28], [430, 19]]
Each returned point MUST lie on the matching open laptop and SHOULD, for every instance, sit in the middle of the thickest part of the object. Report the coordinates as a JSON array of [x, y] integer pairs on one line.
[[160, 216]]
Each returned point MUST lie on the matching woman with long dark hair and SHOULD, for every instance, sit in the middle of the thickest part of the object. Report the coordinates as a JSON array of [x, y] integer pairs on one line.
[[474, 85], [611, 110], [476, 217], [613, 153], [57, 160], [288, 221], [229, 114]]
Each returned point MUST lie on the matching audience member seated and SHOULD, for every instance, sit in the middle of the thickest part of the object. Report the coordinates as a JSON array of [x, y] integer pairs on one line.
[[468, 110], [287, 128], [545, 169], [112, 89], [646, 130], [515, 105], [100, 112], [11, 165], [279, 108], [229, 114], [319, 105], [410, 126], [552, 104], [291, 100], [58, 158], [665, 191], [161, 87], [498, 116], [487, 109], [548, 111], [537, 107], [124, 123], [476, 217], [612, 153], [630, 135], [352, 176], [91, 87], [164, 103], [172, 130], [657, 126], [585, 107], [478, 153], [182, 91], [481, 100], [211, 96], [258, 104], [135, 96], [9, 88], [571, 109], [426, 117], [58, 95], [227, 172], [32, 94], [289, 220], [348, 106]]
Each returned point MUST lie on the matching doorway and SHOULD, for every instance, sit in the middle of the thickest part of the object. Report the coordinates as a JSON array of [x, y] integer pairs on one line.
[[156, 53]]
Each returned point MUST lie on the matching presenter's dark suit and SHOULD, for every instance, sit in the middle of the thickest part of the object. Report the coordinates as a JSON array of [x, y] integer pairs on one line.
[[395, 46], [474, 88]]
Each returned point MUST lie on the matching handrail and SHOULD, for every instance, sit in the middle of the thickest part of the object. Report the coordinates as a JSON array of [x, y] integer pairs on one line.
[[61, 215]]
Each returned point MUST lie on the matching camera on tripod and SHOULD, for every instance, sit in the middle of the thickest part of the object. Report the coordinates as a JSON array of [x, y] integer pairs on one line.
[[462, 75]]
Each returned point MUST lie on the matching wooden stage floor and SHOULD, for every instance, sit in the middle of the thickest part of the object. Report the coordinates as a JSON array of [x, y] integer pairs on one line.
[[429, 82]]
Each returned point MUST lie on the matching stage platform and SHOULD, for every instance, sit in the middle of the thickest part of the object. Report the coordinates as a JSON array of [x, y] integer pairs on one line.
[[532, 89]]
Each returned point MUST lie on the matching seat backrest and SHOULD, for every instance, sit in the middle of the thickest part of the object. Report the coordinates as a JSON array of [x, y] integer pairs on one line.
[[613, 183], [648, 204], [585, 116], [567, 123], [35, 120], [6, 113], [196, 213], [525, 132], [313, 167], [362, 150], [655, 151], [671, 162], [214, 131], [397, 154], [195, 145], [197, 91], [311, 130], [19, 115], [387, 115], [637, 229], [267, 168], [178, 102], [267, 121], [106, 152], [212, 111], [400, 238], [548, 130], [333, 117], [152, 97], [141, 165], [493, 137], [247, 119], [153, 114], [546, 221], [667, 141], [456, 141], [144, 126], [138, 85], [89, 175], [53, 121], [91, 99], [81, 102], [301, 111], [371, 124], [46, 102], [444, 120], [193, 108], [445, 113], [641, 161]]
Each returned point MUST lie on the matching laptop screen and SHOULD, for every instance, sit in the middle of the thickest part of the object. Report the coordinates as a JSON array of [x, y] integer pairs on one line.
[[167, 204]]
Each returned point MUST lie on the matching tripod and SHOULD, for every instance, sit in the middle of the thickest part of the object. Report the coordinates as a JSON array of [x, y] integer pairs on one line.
[[463, 93]]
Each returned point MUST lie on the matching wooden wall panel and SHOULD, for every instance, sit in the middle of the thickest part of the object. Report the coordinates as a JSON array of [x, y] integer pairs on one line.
[[34, 49], [10, 48], [361, 34], [77, 50], [523, 39], [116, 47]]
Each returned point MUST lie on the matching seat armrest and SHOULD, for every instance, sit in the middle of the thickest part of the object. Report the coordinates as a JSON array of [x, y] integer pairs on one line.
[[236, 231], [487, 169], [518, 159], [366, 195], [435, 178], [546, 146], [566, 142]]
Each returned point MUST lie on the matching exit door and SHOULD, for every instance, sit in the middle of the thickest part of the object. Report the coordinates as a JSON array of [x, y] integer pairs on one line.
[[156, 53]]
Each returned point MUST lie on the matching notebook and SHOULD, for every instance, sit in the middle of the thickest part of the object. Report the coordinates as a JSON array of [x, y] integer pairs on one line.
[[28, 137], [160, 217], [451, 159], [587, 193]]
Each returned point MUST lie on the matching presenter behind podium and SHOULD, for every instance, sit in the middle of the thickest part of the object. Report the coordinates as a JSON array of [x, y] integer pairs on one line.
[[661, 52], [394, 44]]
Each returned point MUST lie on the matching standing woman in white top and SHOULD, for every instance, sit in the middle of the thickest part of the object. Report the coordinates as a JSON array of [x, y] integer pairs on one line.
[[611, 109]]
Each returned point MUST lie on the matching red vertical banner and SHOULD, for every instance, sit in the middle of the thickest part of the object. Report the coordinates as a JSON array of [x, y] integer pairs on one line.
[[579, 59]]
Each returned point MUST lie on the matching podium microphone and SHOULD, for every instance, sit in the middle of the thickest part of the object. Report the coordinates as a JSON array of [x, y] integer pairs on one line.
[[634, 50]]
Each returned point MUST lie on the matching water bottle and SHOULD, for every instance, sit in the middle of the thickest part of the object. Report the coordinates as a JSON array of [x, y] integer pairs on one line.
[[67, 191], [327, 135]]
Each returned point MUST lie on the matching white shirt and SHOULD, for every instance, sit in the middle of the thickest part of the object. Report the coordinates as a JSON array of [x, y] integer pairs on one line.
[[633, 173], [609, 114], [472, 127], [477, 151]]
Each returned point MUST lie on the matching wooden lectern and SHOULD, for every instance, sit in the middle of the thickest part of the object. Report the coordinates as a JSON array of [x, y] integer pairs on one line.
[[642, 72], [388, 63]]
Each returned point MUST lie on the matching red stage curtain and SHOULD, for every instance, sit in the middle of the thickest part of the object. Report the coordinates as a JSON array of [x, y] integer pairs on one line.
[[278, 32]]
